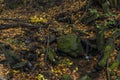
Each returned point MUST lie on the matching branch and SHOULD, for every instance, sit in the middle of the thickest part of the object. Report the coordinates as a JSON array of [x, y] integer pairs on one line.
[[20, 24], [14, 19]]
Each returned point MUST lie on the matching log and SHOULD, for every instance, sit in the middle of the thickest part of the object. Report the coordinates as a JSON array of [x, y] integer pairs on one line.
[[20, 24], [6, 26], [15, 19]]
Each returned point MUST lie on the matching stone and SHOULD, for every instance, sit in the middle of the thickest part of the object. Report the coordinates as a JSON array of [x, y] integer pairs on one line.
[[70, 44]]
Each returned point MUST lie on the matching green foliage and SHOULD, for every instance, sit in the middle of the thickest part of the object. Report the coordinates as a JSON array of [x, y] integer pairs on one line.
[[99, 26], [114, 65], [116, 33], [107, 23], [108, 49], [103, 62], [93, 11], [91, 17], [109, 14], [66, 77]]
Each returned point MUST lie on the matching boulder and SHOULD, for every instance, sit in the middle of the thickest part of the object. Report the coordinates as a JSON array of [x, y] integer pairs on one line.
[[70, 44]]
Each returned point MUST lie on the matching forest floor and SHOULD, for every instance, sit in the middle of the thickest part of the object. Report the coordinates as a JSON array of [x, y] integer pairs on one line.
[[34, 40]]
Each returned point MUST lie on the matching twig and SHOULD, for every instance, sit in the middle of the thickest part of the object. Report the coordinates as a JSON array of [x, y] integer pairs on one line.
[[47, 47]]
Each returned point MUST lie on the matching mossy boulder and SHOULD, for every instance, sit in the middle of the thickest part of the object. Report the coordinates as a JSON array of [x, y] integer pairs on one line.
[[70, 44]]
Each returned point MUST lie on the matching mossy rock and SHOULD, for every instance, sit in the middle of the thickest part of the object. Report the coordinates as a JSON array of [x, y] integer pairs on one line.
[[70, 44]]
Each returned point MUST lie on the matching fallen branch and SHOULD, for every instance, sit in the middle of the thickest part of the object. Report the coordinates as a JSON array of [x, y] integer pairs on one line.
[[15, 19], [20, 24]]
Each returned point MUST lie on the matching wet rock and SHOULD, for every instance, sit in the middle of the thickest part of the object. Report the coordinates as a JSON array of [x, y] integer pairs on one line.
[[52, 38], [65, 18], [70, 44]]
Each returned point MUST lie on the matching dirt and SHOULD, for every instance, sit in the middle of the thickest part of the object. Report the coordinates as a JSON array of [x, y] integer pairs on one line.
[[24, 38]]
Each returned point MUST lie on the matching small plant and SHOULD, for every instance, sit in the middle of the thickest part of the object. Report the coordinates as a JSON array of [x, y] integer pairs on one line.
[[36, 19], [93, 15], [40, 77]]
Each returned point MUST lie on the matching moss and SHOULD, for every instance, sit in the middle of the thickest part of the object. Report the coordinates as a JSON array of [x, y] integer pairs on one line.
[[51, 55], [70, 44], [66, 77]]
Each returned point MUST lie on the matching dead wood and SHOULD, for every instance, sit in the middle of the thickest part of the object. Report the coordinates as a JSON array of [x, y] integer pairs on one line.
[[19, 24], [15, 19]]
